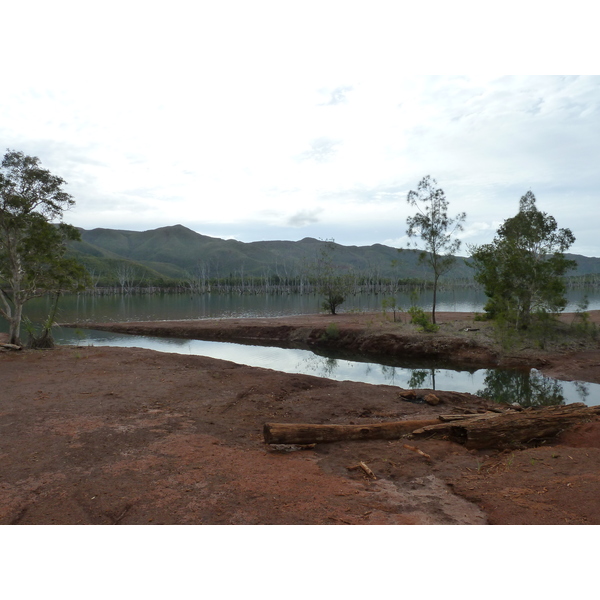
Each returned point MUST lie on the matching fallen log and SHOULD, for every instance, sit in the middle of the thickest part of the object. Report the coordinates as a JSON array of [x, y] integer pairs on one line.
[[9, 346], [512, 429], [305, 433], [486, 430]]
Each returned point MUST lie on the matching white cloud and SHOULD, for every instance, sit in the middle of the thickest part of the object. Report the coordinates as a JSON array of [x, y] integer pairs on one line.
[[199, 116]]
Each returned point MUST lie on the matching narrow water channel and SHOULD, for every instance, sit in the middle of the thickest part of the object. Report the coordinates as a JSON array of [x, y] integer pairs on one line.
[[506, 386]]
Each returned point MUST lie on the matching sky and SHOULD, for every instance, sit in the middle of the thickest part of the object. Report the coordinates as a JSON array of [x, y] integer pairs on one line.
[[283, 120]]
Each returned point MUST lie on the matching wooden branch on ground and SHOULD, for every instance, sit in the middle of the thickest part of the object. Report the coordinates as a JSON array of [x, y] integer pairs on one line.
[[9, 346], [365, 468], [413, 449], [305, 433], [493, 430], [486, 430]]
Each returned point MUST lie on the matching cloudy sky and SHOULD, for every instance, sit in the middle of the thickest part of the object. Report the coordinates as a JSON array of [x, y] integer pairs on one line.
[[281, 120]]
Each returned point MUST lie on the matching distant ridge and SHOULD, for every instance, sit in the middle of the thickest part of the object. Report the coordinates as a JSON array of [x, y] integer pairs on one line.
[[172, 252]]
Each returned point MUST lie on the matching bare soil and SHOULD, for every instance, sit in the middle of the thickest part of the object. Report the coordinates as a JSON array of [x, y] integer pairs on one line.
[[93, 435]]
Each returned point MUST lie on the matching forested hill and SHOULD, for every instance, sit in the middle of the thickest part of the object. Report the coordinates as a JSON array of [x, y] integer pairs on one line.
[[174, 252]]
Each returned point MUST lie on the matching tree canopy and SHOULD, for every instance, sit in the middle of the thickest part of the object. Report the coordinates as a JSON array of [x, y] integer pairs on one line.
[[32, 248], [522, 270]]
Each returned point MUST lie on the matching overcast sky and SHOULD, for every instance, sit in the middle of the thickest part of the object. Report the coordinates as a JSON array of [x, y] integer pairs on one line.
[[281, 120]]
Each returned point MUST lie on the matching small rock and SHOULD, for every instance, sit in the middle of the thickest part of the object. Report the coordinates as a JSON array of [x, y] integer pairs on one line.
[[432, 399]]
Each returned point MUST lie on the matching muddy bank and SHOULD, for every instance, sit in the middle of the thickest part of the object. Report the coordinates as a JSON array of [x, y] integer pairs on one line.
[[131, 436], [95, 435], [461, 342]]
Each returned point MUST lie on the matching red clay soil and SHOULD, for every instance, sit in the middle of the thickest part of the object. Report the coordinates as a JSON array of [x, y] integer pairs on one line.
[[93, 435]]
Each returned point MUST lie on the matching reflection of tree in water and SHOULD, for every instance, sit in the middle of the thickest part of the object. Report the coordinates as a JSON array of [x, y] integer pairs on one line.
[[419, 376], [528, 389], [583, 389], [389, 374], [319, 365]]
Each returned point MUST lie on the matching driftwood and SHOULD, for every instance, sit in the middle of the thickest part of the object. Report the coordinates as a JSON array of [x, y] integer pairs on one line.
[[486, 430], [305, 433], [493, 430], [365, 468], [420, 452], [9, 346]]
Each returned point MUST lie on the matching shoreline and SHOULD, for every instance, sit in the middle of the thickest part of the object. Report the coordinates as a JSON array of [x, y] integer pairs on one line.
[[101, 435], [461, 341]]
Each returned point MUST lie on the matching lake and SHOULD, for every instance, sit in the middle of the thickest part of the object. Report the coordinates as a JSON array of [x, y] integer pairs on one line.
[[158, 307], [501, 385]]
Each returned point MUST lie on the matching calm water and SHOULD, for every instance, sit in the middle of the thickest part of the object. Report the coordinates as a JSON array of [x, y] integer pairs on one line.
[[182, 306], [530, 388]]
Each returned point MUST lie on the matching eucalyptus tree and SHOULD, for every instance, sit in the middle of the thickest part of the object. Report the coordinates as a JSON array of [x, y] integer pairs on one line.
[[32, 248], [432, 229], [522, 270]]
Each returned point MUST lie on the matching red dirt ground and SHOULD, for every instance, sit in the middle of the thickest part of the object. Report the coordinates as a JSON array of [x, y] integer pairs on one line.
[[94, 435]]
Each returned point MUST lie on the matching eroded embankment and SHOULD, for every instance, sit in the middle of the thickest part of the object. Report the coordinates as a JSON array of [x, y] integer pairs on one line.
[[459, 350]]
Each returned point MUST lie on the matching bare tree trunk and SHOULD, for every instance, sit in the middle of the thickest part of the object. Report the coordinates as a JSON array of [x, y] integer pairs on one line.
[[494, 430], [305, 433]]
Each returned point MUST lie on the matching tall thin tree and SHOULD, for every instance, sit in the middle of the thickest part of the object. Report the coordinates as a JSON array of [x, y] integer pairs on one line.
[[435, 230]]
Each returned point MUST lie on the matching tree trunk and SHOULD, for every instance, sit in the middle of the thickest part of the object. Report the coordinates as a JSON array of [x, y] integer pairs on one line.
[[14, 330], [435, 284], [305, 433], [487, 430], [506, 430]]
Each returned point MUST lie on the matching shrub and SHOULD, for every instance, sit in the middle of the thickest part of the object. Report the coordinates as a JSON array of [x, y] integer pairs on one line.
[[332, 332], [418, 317]]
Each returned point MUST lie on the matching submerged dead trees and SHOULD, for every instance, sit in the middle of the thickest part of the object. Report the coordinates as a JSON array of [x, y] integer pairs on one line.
[[486, 430]]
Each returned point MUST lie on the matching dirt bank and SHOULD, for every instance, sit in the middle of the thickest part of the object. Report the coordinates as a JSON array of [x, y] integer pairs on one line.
[[110, 435], [461, 342]]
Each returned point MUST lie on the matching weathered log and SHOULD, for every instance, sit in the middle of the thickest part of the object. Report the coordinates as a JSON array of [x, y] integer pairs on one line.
[[9, 346], [305, 433], [493, 430]]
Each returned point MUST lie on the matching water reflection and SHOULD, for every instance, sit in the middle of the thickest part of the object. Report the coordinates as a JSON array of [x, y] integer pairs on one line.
[[528, 389], [151, 307], [525, 388], [419, 378]]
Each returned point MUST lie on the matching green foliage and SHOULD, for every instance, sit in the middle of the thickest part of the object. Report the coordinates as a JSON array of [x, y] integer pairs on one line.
[[419, 376], [32, 249], [43, 338], [174, 251], [522, 270], [525, 388], [332, 302], [102, 250], [435, 229], [389, 303], [581, 323], [332, 332], [418, 317], [331, 284], [543, 327]]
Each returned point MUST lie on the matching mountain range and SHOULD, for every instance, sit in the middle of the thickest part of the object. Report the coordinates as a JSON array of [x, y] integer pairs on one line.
[[172, 253]]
